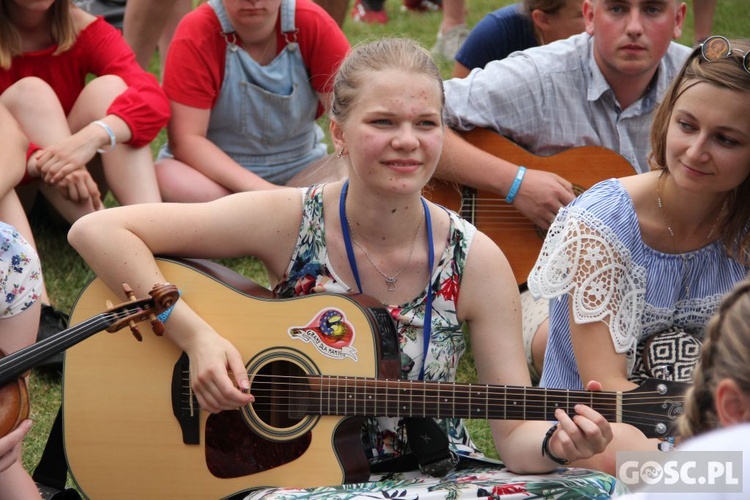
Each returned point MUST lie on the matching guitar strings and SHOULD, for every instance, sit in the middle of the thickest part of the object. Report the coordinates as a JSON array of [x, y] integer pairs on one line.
[[495, 214], [289, 391], [307, 384]]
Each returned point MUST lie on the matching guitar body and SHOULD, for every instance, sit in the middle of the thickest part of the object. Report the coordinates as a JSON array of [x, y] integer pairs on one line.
[[123, 440], [520, 239]]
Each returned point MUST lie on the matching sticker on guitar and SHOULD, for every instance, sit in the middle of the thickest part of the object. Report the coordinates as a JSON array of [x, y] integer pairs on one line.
[[330, 333]]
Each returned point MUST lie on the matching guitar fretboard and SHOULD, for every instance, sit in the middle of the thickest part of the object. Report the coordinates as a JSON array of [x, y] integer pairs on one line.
[[351, 396]]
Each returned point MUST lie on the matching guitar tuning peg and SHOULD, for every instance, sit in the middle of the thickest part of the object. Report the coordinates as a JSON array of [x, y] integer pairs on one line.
[[156, 325], [129, 292], [135, 331]]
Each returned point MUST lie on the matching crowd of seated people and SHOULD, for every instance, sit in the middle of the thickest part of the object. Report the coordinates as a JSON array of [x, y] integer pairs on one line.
[[244, 90]]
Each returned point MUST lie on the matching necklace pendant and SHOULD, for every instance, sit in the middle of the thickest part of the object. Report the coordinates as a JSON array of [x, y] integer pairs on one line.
[[391, 282]]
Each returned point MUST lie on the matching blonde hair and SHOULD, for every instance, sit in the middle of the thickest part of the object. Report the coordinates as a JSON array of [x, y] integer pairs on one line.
[[62, 29], [379, 55], [724, 355], [728, 73]]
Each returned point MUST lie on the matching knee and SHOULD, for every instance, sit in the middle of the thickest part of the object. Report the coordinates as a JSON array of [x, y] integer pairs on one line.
[[28, 92], [101, 91]]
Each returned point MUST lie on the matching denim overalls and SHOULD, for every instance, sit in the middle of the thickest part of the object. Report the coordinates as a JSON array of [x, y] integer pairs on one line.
[[264, 117]]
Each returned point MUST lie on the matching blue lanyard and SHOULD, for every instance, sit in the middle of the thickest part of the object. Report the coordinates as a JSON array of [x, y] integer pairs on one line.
[[427, 329]]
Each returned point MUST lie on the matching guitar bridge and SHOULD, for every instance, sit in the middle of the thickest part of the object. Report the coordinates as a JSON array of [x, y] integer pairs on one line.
[[184, 404]]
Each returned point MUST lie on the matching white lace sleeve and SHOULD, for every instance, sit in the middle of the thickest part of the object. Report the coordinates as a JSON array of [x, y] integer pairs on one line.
[[584, 258]]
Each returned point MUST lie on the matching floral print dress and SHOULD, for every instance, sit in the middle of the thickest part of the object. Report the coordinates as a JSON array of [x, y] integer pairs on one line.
[[310, 271]]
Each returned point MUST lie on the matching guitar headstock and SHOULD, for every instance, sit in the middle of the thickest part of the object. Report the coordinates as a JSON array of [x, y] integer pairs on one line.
[[162, 297], [654, 407]]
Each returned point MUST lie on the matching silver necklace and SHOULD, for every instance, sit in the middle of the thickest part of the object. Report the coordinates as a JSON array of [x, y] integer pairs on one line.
[[390, 281], [685, 258]]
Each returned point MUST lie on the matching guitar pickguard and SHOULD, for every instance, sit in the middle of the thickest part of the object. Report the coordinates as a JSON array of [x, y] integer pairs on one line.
[[233, 450]]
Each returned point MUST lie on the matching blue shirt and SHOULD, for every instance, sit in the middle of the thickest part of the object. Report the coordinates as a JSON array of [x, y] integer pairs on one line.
[[496, 36]]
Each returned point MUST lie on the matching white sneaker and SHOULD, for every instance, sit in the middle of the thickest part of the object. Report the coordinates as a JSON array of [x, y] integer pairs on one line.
[[448, 43]]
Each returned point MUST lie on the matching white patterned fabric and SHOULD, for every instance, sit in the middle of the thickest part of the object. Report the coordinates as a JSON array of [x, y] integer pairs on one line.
[[472, 482], [594, 255], [20, 272]]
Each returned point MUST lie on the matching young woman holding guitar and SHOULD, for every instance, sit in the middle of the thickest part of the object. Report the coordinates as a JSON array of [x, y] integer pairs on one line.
[[373, 234]]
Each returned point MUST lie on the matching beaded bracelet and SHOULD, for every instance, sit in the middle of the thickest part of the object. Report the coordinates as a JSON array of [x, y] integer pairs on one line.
[[516, 185], [545, 446], [110, 133]]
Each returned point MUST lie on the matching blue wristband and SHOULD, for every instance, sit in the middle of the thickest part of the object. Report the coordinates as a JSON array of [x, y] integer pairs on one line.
[[516, 185], [164, 316]]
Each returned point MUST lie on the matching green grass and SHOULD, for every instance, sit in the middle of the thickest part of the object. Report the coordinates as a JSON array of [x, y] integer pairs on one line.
[[66, 273]]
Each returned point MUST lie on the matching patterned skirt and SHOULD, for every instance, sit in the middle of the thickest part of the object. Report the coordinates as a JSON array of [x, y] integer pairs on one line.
[[469, 480]]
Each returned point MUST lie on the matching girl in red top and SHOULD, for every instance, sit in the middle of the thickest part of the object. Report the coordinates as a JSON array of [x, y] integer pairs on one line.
[[47, 50], [247, 82]]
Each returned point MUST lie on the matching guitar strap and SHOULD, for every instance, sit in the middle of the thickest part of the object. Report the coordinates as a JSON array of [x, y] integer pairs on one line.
[[430, 452]]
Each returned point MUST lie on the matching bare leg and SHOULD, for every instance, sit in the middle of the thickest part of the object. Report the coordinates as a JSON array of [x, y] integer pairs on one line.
[[13, 158], [180, 8], [454, 14], [539, 345], [129, 171], [43, 121], [144, 24], [703, 18], [179, 182], [452, 31], [337, 9]]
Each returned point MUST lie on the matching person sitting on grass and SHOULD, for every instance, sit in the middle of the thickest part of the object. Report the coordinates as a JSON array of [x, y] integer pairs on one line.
[[518, 27], [246, 88], [374, 234]]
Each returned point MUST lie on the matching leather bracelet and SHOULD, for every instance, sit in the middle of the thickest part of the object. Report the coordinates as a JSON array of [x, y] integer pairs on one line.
[[545, 447], [110, 133], [513, 191]]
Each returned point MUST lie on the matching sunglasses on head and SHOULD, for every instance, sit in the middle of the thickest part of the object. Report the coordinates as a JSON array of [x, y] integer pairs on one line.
[[718, 47]]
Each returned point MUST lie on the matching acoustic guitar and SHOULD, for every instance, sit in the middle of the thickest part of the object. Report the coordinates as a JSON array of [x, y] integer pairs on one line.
[[317, 364], [518, 237]]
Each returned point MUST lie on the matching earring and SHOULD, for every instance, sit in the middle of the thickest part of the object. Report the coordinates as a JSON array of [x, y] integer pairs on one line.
[[340, 153]]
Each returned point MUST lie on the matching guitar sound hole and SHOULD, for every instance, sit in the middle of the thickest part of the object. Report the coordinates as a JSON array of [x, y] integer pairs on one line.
[[281, 394]]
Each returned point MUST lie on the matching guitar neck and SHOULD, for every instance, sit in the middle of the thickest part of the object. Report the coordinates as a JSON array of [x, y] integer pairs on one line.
[[351, 396], [17, 363]]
